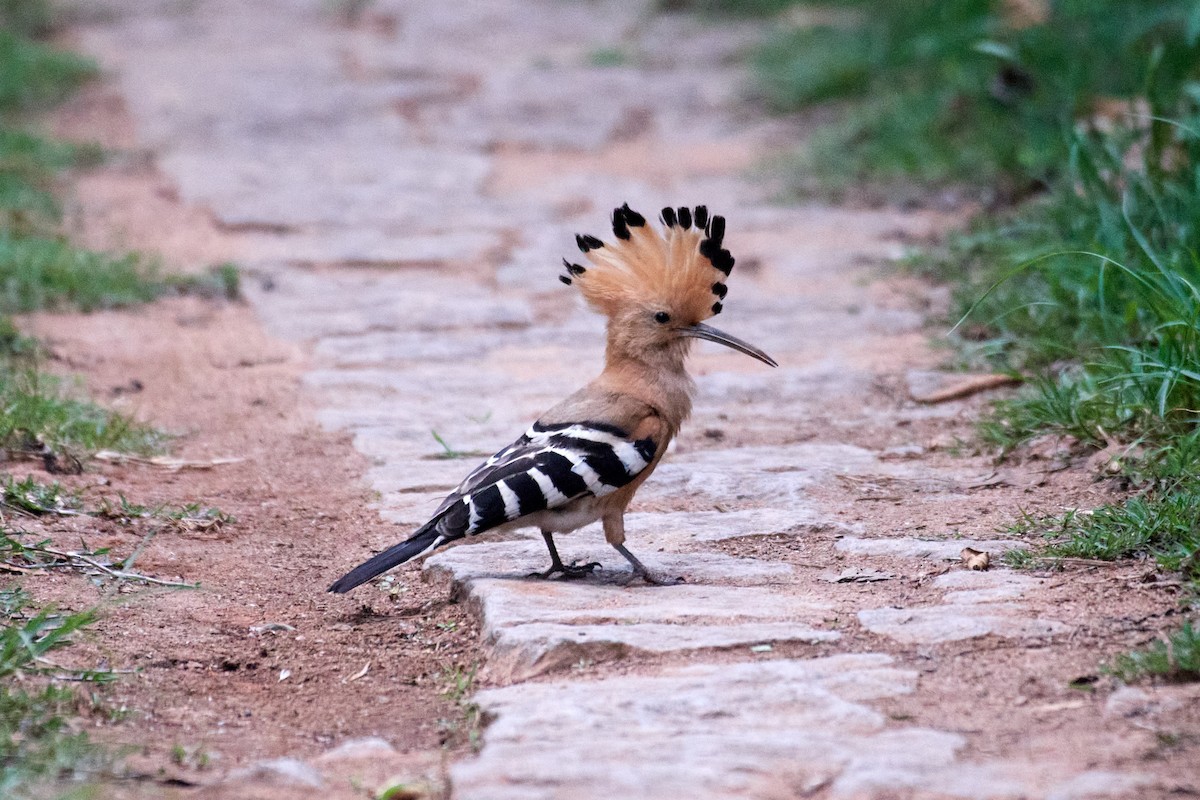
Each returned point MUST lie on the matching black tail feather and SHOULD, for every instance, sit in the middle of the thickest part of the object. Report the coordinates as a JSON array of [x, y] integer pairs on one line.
[[410, 548]]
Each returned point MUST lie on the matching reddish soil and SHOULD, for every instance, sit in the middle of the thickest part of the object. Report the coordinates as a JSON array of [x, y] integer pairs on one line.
[[255, 663]]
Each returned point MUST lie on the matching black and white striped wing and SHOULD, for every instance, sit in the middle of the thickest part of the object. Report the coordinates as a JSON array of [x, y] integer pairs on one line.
[[547, 468]]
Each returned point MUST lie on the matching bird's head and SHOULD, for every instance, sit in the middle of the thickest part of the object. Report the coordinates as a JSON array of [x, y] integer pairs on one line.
[[657, 289]]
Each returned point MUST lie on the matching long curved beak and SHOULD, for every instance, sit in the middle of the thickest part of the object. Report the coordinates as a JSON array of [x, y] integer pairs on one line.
[[702, 331]]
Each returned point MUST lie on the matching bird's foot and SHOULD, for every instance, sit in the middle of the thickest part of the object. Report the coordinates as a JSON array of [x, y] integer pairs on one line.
[[652, 578], [640, 570], [568, 571]]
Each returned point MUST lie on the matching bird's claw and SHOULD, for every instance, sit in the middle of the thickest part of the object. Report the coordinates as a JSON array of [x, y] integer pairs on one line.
[[651, 578], [570, 571]]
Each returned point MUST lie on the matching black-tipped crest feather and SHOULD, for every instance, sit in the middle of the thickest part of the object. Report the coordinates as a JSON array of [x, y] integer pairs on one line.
[[634, 219], [683, 264], [587, 242], [716, 231], [620, 225]]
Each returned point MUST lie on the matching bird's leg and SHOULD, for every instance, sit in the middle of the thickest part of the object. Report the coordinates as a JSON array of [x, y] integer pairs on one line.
[[640, 570], [556, 565], [614, 532]]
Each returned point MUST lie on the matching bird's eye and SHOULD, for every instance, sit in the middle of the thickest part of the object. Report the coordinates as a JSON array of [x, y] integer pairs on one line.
[[662, 318]]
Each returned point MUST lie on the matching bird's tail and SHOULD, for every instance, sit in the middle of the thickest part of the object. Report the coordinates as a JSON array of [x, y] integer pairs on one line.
[[426, 538]]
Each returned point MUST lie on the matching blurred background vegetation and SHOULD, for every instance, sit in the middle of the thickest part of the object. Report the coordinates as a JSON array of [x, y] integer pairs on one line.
[[44, 749], [1073, 126]]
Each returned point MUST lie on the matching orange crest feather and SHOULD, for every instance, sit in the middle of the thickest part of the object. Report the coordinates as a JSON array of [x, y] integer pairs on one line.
[[685, 267]]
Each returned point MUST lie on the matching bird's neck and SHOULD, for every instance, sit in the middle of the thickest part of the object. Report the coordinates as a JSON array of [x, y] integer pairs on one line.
[[656, 377]]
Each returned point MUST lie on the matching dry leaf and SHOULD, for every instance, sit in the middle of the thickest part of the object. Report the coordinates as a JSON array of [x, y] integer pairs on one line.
[[975, 559], [362, 672]]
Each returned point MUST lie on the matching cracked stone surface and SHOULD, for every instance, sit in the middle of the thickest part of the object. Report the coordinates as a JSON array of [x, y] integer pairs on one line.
[[771, 730], [403, 198]]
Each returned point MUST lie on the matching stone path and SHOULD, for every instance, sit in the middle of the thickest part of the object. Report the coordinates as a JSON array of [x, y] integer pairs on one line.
[[404, 188]]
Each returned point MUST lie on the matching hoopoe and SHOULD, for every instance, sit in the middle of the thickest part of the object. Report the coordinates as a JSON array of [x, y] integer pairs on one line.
[[586, 457]]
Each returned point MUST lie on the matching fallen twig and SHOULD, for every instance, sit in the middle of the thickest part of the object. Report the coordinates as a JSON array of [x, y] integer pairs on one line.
[[163, 462], [967, 387], [115, 573]]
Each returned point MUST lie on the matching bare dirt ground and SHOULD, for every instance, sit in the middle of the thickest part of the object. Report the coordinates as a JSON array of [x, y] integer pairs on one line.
[[206, 665], [953, 684]]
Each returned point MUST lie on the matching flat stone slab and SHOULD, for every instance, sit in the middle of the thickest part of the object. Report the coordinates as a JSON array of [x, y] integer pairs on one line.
[[506, 603], [933, 549], [535, 626], [525, 651], [977, 586], [773, 729], [667, 529], [980, 604], [310, 304], [774, 476], [953, 622], [720, 731]]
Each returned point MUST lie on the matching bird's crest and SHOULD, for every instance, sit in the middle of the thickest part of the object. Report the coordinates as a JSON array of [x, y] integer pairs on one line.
[[685, 264]]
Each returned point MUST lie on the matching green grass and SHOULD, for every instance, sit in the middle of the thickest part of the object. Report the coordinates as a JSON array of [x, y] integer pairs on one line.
[[22, 550], [41, 270], [1104, 300], [1162, 527], [39, 743], [1092, 289], [35, 76], [42, 748], [191, 516], [460, 683], [29, 169], [1083, 132], [29, 18], [43, 417], [1177, 657], [50, 273], [34, 498], [1107, 256], [1160, 521], [608, 57], [949, 91], [42, 751]]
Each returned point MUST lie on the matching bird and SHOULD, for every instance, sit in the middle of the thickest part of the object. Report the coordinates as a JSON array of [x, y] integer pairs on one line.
[[585, 458]]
